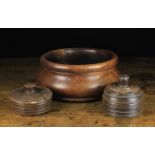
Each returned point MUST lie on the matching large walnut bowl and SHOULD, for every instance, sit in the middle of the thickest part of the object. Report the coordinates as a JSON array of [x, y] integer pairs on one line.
[[78, 74]]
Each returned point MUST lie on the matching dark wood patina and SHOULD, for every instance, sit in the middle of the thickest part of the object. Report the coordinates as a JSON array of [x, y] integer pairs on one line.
[[78, 74], [16, 72]]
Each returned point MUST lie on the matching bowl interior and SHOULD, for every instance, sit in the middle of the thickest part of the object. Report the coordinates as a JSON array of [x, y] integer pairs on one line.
[[79, 56]]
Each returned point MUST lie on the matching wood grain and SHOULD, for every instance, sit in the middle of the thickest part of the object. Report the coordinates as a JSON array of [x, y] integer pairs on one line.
[[16, 72]]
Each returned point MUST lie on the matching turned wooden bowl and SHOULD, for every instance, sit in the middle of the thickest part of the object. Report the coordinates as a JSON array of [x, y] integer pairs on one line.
[[78, 74]]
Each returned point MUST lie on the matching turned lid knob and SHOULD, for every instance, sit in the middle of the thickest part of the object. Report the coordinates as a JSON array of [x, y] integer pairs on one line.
[[124, 80], [30, 85]]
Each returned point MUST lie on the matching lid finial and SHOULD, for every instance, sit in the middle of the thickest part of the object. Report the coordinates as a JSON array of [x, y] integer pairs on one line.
[[124, 80], [30, 85]]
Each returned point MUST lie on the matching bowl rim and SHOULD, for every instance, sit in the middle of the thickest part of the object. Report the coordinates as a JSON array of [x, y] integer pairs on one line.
[[94, 67]]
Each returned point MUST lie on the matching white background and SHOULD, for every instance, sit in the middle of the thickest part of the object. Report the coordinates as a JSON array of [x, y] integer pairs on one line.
[[80, 13], [77, 141], [77, 13]]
